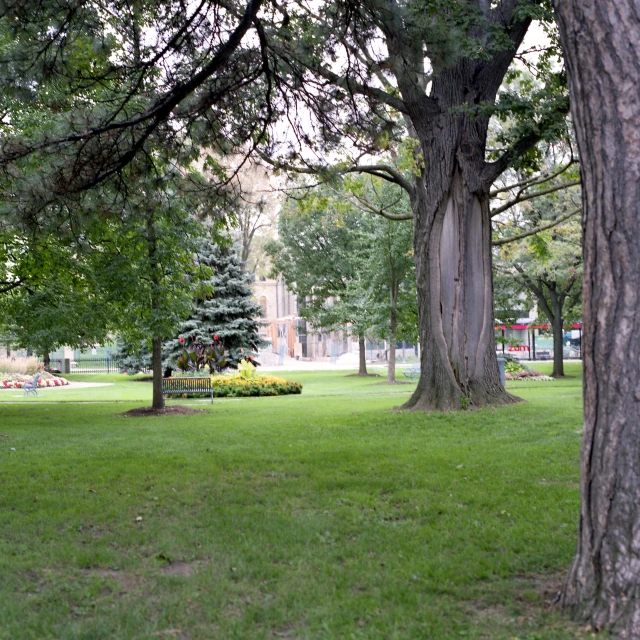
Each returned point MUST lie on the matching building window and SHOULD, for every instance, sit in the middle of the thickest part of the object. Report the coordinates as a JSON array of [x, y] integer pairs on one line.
[[263, 304]]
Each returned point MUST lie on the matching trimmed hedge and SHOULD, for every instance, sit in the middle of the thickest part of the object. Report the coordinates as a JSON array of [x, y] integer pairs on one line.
[[237, 387]]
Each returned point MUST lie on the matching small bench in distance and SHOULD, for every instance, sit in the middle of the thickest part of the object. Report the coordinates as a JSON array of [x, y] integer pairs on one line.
[[412, 373], [182, 386]]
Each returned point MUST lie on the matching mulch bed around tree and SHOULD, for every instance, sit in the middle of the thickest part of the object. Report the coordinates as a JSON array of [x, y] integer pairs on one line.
[[173, 410], [363, 375]]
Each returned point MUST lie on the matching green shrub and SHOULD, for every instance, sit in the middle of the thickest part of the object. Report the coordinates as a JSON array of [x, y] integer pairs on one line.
[[234, 386], [510, 366]]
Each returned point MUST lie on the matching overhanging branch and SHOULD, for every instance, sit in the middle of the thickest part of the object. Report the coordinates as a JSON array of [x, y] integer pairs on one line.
[[534, 180], [384, 171], [532, 232], [365, 205], [523, 197]]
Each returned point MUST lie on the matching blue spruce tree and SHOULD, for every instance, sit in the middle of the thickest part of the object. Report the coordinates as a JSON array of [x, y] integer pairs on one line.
[[228, 315]]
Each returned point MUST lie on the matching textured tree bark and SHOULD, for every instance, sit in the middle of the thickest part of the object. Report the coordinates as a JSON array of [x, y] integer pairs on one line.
[[558, 345], [601, 40], [393, 326], [157, 401], [362, 371], [46, 359], [452, 232], [156, 364], [459, 367]]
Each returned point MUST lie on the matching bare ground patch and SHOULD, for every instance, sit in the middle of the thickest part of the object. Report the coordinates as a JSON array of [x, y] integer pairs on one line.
[[126, 581], [173, 410], [363, 375], [533, 595], [178, 569]]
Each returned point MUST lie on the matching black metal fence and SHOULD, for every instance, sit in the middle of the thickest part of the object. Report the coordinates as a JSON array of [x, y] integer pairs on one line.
[[105, 364]]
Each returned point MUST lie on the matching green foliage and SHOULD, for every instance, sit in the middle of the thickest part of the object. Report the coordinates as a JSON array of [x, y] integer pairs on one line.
[[347, 266], [545, 268], [239, 386], [512, 366], [200, 356], [246, 369], [133, 357]]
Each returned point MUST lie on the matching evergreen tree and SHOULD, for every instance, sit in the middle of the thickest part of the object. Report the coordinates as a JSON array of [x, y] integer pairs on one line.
[[228, 314], [133, 356]]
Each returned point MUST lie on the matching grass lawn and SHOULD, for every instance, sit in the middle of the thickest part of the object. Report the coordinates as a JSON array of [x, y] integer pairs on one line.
[[325, 515]]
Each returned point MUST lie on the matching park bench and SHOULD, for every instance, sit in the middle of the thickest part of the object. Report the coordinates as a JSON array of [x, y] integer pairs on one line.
[[31, 386], [183, 386], [412, 372]]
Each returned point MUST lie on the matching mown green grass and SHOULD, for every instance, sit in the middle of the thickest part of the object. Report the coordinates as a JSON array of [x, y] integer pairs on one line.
[[326, 515]]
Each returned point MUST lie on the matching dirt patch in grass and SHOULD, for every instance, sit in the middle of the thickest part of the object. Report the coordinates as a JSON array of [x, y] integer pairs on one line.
[[285, 632], [127, 581], [363, 375], [178, 569], [171, 633], [173, 410], [533, 595]]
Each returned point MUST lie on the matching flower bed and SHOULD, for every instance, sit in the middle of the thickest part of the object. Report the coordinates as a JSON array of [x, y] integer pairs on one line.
[[234, 386], [16, 380], [518, 371]]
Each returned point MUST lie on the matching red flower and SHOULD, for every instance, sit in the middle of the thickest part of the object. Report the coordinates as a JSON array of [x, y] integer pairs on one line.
[[181, 340], [216, 338]]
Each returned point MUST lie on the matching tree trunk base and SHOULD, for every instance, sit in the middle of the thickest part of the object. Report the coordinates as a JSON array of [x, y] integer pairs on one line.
[[621, 622], [426, 402]]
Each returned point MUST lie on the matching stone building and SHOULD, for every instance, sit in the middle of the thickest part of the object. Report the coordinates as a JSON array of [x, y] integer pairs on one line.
[[284, 328]]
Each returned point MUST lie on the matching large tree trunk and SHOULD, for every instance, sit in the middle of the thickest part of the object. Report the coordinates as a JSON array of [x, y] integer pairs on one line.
[[452, 231], [393, 326], [362, 371], [601, 39], [558, 344], [156, 364], [459, 367], [46, 360]]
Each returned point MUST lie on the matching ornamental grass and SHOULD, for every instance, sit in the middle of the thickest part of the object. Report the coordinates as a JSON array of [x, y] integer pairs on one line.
[[24, 366]]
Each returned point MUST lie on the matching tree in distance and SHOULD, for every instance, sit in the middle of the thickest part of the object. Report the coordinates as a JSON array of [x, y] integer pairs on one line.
[[388, 264], [348, 269], [545, 267], [227, 313]]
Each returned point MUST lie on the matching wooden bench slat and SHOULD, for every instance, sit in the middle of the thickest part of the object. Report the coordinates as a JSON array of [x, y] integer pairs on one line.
[[176, 386]]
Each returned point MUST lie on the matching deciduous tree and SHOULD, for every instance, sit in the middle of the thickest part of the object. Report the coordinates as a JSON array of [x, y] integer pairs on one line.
[[538, 253], [437, 68]]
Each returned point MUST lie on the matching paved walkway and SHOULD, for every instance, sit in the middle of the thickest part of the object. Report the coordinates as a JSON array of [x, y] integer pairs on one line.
[[291, 364], [73, 385]]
